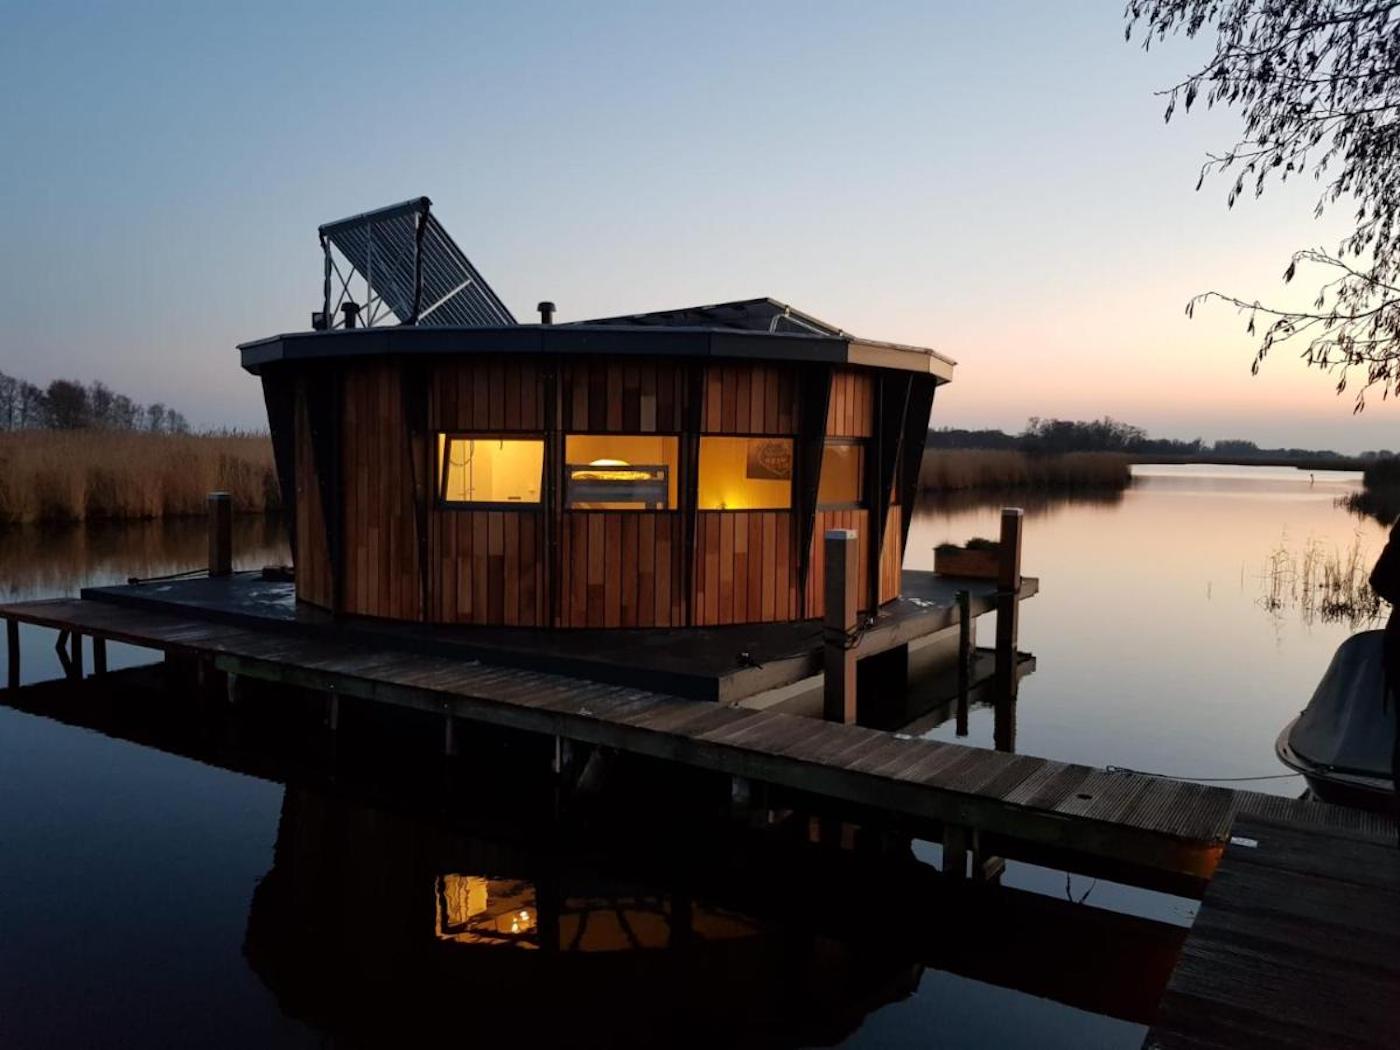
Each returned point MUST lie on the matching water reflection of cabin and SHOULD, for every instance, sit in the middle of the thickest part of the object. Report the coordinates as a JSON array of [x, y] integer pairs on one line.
[[657, 470]]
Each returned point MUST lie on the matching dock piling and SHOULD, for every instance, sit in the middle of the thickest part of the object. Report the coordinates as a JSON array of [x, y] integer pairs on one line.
[[1009, 587], [839, 627], [12, 652], [220, 534], [99, 655]]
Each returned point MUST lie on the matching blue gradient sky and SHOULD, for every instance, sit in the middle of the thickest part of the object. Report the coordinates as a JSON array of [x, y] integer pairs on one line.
[[993, 180]]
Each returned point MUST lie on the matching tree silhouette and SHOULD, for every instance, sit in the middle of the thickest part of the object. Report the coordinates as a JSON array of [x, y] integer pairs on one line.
[[1318, 85]]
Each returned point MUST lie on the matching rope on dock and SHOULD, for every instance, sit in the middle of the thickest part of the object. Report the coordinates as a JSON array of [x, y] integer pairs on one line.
[[1209, 780]]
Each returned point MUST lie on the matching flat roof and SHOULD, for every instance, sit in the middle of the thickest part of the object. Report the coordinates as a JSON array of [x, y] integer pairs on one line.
[[702, 341]]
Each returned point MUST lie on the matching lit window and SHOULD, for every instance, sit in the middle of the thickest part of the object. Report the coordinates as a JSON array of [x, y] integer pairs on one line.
[[483, 469], [842, 470], [739, 473], [620, 471]]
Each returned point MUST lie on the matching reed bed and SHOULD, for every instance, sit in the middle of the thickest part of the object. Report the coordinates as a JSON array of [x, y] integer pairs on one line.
[[1323, 583], [959, 470], [90, 475]]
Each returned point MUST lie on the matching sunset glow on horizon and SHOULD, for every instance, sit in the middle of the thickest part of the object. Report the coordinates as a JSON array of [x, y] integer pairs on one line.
[[996, 183]]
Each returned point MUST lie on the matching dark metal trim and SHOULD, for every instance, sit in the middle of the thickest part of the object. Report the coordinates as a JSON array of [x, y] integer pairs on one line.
[[892, 393], [813, 401], [280, 397], [916, 421], [693, 417], [413, 389]]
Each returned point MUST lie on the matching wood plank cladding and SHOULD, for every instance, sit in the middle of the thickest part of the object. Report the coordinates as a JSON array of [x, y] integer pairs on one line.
[[838, 519], [490, 395], [850, 412], [408, 557], [622, 569], [313, 565], [623, 396], [749, 398], [745, 568], [892, 556], [488, 567], [381, 544]]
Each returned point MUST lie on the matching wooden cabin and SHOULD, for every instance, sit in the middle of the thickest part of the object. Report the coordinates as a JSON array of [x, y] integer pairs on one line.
[[659, 470]]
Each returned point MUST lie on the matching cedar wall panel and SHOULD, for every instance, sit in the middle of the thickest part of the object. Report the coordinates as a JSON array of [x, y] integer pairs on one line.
[[313, 569], [489, 394], [745, 571], [749, 398], [837, 519], [891, 556], [622, 569], [627, 396], [851, 409], [488, 567], [381, 539]]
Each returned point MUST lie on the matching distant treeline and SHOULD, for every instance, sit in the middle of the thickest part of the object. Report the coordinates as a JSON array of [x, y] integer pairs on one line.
[[1058, 436], [67, 404]]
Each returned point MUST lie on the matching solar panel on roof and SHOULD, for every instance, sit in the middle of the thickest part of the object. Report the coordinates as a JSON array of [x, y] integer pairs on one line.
[[412, 267]]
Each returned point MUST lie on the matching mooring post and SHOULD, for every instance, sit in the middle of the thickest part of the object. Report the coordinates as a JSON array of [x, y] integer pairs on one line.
[[99, 655], [333, 712], [839, 627], [449, 735], [1008, 587], [955, 851], [12, 651], [220, 534]]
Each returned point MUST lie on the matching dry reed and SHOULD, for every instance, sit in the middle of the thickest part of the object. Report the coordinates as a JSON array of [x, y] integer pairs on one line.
[[1322, 583], [86, 475], [955, 470]]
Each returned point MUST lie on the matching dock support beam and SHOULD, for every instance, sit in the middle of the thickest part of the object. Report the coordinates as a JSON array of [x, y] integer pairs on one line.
[[1009, 587], [839, 627], [12, 652], [99, 655], [220, 534]]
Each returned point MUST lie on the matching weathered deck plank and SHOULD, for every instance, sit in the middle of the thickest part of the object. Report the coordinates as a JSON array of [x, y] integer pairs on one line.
[[1297, 943], [1156, 825]]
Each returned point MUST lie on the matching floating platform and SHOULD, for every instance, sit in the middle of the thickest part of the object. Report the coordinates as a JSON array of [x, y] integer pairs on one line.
[[724, 664]]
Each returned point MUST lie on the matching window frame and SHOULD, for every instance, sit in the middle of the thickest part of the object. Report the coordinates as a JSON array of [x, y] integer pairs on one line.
[[862, 501], [791, 507], [561, 472], [440, 488]]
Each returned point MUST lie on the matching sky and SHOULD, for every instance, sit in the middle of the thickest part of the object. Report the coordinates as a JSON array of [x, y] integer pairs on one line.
[[992, 180]]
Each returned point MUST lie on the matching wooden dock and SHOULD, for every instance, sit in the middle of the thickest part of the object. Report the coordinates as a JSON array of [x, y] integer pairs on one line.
[[1298, 939], [1297, 944]]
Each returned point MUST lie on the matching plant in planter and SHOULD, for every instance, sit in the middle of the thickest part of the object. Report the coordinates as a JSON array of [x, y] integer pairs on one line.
[[979, 558]]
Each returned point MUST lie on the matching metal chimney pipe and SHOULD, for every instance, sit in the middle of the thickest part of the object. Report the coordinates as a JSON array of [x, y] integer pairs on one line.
[[351, 311], [546, 312]]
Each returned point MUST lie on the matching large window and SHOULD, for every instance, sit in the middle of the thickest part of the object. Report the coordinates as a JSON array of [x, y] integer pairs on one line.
[[478, 468], [843, 474], [620, 471], [745, 473]]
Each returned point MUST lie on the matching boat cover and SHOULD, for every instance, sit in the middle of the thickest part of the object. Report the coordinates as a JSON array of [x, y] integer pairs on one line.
[[1348, 725]]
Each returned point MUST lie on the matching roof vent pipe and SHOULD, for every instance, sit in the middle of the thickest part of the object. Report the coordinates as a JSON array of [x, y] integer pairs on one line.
[[351, 311], [546, 312]]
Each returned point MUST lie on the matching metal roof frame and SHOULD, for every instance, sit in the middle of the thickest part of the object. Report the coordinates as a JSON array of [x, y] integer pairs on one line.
[[412, 270]]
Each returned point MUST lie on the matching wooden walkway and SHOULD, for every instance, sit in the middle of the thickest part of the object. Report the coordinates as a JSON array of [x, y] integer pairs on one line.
[[1297, 944], [1169, 828]]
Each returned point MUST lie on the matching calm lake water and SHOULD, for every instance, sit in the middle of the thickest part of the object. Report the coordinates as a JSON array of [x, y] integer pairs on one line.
[[175, 873]]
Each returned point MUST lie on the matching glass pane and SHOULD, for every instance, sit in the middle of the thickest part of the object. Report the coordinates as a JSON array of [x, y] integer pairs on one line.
[[491, 470], [841, 474], [745, 473], [620, 471]]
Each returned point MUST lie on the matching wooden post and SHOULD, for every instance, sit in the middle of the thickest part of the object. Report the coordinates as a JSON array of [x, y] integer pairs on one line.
[[839, 627], [77, 655], [449, 736], [99, 655], [955, 851], [1008, 588], [220, 534], [333, 712], [12, 651]]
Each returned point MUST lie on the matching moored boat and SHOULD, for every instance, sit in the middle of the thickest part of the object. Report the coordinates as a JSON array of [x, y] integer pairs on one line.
[[1343, 740]]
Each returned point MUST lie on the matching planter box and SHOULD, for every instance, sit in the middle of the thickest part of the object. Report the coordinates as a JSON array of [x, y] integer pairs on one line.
[[959, 561]]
